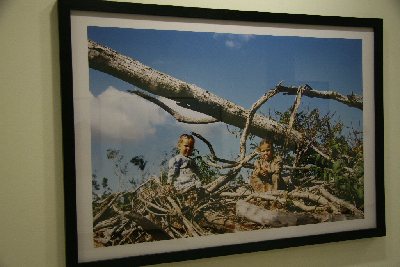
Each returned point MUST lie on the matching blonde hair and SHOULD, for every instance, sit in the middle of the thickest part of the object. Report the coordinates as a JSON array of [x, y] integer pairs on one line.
[[185, 136]]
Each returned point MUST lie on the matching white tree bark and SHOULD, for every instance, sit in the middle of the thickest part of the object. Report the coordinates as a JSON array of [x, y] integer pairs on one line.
[[186, 95], [351, 100], [263, 216], [195, 98]]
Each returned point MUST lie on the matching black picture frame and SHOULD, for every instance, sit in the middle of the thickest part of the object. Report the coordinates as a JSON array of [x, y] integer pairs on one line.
[[71, 150]]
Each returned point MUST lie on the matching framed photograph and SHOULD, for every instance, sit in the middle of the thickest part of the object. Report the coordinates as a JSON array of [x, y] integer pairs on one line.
[[192, 132]]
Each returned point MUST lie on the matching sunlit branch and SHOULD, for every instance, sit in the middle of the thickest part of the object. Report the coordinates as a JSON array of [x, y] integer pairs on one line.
[[179, 117]]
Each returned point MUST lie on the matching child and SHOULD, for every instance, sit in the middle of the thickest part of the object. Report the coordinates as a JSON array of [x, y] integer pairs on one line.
[[267, 172], [182, 171]]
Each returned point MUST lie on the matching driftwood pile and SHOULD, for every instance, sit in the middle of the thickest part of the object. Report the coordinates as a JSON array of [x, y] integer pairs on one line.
[[155, 211]]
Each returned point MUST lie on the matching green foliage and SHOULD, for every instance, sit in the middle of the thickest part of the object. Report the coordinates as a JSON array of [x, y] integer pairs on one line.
[[206, 173], [106, 188], [344, 170], [100, 191], [95, 184], [124, 173], [95, 187]]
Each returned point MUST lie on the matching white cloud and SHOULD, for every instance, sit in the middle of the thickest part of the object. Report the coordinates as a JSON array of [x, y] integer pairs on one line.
[[233, 41], [232, 44], [246, 37], [120, 115]]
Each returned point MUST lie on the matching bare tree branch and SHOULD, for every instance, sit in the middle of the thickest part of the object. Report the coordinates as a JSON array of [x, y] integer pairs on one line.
[[296, 105], [214, 158], [250, 117], [223, 179], [155, 230], [179, 117], [97, 217], [341, 202], [186, 95], [352, 100], [193, 97]]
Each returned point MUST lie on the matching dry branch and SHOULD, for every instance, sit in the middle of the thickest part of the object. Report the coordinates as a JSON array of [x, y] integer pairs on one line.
[[224, 179], [296, 106], [250, 116], [193, 97], [214, 158], [341, 202], [271, 196], [220, 221], [105, 208], [179, 117], [186, 95], [264, 217], [305, 207], [158, 212], [351, 100], [149, 226]]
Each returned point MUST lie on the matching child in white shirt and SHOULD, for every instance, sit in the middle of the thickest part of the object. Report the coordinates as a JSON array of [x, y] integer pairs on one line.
[[182, 171]]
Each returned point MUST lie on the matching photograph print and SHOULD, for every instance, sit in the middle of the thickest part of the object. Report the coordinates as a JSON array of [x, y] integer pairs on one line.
[[194, 135]]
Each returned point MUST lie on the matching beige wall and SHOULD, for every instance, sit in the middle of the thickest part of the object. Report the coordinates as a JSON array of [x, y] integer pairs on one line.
[[31, 191]]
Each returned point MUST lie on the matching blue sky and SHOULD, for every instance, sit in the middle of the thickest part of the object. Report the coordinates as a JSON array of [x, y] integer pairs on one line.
[[236, 67]]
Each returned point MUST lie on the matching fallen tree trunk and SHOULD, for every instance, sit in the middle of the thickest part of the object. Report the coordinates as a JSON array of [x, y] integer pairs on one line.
[[186, 95], [264, 217], [195, 98]]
